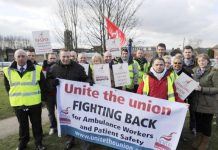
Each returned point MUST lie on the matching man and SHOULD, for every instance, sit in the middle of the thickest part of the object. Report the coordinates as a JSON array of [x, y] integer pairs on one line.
[[160, 52], [107, 57], [141, 63], [82, 59], [51, 99], [189, 64], [108, 60], [189, 59], [73, 56], [133, 70], [32, 56], [154, 83], [65, 68], [25, 84]]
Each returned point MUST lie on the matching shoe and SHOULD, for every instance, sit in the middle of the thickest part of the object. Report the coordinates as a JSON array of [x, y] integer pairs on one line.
[[194, 132], [21, 148], [52, 131], [40, 147], [18, 148], [69, 145]]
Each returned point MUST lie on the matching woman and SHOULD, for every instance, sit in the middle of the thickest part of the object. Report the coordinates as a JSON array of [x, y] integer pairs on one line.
[[167, 59], [204, 100]]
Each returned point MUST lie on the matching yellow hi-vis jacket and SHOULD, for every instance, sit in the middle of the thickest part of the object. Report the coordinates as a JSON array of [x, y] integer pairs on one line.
[[141, 73], [26, 90], [170, 90]]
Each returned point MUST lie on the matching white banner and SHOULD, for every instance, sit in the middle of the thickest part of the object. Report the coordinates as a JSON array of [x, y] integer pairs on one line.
[[41, 42], [113, 45], [185, 85], [121, 74], [101, 74], [118, 119]]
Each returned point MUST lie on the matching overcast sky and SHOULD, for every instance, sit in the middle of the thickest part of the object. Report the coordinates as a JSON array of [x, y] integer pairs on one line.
[[168, 21]]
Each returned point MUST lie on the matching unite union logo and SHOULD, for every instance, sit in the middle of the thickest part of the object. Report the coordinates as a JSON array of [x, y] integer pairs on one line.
[[64, 116], [164, 142]]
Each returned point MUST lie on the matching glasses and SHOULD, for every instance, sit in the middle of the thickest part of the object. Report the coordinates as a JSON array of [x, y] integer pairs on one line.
[[179, 63]]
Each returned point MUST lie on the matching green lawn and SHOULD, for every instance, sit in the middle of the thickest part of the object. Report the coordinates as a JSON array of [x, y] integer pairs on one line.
[[5, 108], [55, 143]]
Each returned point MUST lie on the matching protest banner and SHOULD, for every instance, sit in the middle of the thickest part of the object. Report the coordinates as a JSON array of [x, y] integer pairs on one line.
[[121, 74], [113, 45], [41, 42], [86, 67], [185, 85], [101, 74], [118, 119]]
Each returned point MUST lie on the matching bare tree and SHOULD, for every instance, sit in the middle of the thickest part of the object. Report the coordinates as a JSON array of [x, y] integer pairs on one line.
[[121, 12], [87, 17], [68, 15]]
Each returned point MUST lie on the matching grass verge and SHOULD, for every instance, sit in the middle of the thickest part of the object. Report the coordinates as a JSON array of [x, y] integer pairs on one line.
[[5, 108]]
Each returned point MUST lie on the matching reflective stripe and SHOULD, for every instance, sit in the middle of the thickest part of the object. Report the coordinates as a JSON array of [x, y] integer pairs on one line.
[[170, 90], [170, 95], [9, 75], [23, 83], [25, 94]]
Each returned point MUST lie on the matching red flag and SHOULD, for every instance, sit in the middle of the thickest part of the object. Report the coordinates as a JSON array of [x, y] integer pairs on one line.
[[115, 32]]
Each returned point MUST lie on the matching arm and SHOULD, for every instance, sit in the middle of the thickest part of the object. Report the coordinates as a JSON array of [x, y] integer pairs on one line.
[[43, 87], [214, 89]]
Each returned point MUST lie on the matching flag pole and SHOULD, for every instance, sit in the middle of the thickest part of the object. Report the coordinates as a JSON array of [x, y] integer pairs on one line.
[[130, 49]]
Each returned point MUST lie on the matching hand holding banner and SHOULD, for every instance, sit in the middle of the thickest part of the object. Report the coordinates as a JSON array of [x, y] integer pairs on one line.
[[185, 85], [121, 74]]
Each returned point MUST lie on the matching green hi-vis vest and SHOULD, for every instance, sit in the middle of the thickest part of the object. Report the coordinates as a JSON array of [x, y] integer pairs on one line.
[[25, 90], [170, 90], [131, 76], [141, 73], [173, 76]]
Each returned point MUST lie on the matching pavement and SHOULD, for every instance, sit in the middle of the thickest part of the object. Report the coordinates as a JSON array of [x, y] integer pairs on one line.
[[10, 125]]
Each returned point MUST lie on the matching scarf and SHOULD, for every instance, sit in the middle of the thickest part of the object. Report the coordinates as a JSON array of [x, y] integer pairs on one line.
[[159, 76]]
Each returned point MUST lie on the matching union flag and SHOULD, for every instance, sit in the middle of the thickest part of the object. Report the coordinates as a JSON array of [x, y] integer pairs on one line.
[[115, 32]]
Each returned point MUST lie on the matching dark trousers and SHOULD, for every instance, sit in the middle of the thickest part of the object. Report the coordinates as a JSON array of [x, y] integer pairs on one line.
[[23, 115], [204, 123], [51, 105], [192, 120]]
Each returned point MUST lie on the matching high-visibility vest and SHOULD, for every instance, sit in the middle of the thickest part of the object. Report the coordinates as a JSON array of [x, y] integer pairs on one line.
[[131, 76], [173, 76], [170, 90], [26, 90], [141, 73]]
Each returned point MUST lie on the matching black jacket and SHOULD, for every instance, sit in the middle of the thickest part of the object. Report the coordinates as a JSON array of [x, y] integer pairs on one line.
[[72, 71], [30, 67]]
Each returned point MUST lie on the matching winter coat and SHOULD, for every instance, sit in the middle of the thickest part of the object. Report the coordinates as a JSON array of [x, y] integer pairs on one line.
[[72, 71], [205, 100]]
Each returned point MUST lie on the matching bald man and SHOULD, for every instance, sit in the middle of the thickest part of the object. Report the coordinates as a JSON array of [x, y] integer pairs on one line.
[[24, 83]]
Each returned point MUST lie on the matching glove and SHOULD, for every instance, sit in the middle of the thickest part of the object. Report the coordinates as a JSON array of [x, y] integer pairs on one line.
[[91, 83], [57, 82]]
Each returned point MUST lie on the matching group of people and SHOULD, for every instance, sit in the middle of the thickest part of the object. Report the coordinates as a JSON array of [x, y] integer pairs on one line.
[[28, 84]]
